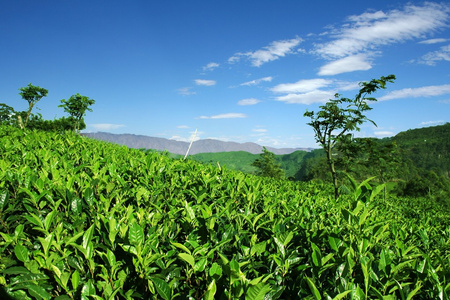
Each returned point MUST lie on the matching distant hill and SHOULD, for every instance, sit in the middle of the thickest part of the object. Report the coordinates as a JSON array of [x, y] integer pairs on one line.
[[428, 148], [177, 147]]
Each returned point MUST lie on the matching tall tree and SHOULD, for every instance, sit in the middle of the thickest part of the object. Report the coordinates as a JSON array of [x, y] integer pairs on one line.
[[77, 106], [340, 116], [267, 165], [32, 94]]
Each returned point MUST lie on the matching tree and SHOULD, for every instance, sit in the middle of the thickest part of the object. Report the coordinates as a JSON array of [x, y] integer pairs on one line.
[[340, 116], [6, 114], [267, 165], [77, 106], [32, 94]]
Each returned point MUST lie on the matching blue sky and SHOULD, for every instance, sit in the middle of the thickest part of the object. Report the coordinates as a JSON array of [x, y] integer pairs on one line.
[[242, 71]]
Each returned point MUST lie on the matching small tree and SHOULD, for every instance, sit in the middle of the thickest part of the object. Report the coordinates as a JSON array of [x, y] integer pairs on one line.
[[32, 94], [77, 106], [6, 114], [267, 165], [340, 116]]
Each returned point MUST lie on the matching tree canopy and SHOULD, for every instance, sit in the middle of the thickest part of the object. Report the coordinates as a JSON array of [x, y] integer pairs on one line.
[[76, 106], [267, 165], [342, 115]]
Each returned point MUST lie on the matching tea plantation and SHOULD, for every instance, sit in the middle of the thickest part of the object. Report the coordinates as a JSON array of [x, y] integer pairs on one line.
[[83, 219]]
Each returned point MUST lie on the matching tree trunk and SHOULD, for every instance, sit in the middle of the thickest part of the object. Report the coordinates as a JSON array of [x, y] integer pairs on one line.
[[333, 172]]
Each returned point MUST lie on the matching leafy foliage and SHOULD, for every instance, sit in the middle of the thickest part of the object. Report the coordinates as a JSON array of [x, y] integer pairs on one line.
[[77, 106], [267, 166], [340, 116], [83, 219], [32, 94]]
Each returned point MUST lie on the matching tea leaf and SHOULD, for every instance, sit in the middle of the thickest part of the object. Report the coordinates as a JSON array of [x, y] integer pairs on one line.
[[162, 288]]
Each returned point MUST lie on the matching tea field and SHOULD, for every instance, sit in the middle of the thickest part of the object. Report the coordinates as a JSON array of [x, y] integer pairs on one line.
[[84, 219]]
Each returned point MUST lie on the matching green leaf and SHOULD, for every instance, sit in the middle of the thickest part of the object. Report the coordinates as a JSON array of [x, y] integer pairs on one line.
[[136, 234], [313, 289], [280, 246], [49, 219], [21, 253], [316, 255], [215, 270], [200, 264], [87, 236], [4, 196], [257, 292], [16, 271], [162, 288], [38, 292], [75, 279], [182, 247], [211, 291], [88, 289], [341, 295], [187, 258]]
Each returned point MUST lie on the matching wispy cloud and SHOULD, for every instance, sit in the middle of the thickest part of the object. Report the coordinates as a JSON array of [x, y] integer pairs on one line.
[[383, 133], [259, 130], [186, 91], [426, 91], [317, 96], [432, 123], [258, 81], [301, 86], [369, 30], [205, 82], [271, 52], [432, 57], [309, 91], [358, 62], [249, 101], [360, 38], [225, 116], [211, 66], [433, 41], [106, 126], [183, 127]]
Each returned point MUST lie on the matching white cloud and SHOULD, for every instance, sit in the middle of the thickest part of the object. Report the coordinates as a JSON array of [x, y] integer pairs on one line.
[[447, 101], [225, 116], [260, 130], [370, 30], [258, 81], [211, 66], [301, 86], [426, 91], [433, 41], [432, 57], [249, 101], [182, 126], [309, 91], [432, 123], [383, 133], [106, 126], [358, 62], [186, 91], [205, 82], [272, 52], [317, 96]]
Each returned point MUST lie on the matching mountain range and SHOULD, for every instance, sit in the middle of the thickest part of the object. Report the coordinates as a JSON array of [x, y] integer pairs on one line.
[[179, 147]]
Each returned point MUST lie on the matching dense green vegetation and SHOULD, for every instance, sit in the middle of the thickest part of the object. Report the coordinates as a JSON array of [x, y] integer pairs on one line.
[[242, 161], [84, 219], [76, 106]]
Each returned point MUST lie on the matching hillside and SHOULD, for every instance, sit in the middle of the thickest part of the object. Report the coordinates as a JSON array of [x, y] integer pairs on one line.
[[178, 147], [86, 219], [428, 148]]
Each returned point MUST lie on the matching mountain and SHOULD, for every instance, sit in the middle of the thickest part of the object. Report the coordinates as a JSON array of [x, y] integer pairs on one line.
[[177, 147]]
